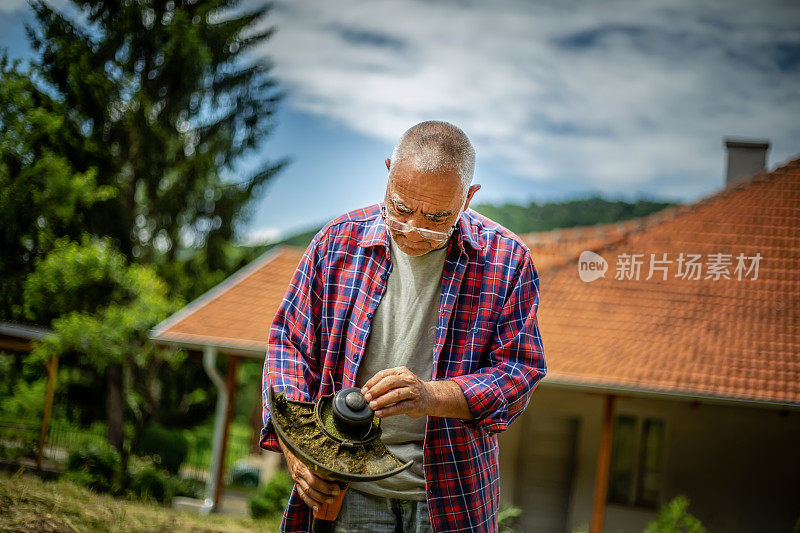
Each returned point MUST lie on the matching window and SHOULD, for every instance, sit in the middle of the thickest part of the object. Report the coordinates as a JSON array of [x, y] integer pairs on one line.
[[636, 452]]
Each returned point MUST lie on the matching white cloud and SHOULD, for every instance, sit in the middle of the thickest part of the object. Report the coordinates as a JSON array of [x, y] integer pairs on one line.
[[9, 6], [614, 96]]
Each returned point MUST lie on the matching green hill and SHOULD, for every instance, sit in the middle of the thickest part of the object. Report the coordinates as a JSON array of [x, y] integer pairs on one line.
[[579, 212]]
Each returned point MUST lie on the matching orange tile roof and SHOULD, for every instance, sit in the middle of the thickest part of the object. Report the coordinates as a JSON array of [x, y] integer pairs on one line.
[[725, 338], [235, 316], [728, 339]]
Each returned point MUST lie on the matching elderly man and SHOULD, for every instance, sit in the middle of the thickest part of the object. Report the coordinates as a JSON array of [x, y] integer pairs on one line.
[[430, 308]]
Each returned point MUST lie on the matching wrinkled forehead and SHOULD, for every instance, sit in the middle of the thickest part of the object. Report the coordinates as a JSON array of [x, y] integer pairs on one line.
[[430, 191]]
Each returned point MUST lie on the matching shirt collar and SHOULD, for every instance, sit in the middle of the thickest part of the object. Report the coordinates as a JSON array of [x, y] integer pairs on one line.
[[465, 232], [376, 233]]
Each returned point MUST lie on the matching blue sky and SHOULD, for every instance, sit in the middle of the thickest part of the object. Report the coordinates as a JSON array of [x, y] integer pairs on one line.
[[561, 98]]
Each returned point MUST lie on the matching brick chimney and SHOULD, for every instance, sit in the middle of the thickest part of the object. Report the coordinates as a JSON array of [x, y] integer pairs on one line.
[[745, 158]]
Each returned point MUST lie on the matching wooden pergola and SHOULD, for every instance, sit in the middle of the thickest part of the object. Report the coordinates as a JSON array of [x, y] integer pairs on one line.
[[20, 338]]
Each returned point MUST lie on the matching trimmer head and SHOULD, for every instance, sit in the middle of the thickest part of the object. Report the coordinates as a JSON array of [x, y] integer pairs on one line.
[[335, 436]]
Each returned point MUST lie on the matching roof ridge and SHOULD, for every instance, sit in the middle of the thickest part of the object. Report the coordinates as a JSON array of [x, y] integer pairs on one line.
[[637, 226], [745, 182], [680, 210], [221, 288]]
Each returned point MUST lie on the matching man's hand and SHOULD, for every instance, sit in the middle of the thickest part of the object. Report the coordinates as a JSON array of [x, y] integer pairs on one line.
[[398, 391], [314, 489]]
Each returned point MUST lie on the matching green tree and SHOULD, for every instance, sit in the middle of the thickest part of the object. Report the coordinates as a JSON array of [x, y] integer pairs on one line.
[[101, 309], [167, 99], [118, 149], [42, 195]]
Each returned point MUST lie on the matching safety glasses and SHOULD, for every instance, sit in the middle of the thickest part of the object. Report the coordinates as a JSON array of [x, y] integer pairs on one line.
[[402, 227]]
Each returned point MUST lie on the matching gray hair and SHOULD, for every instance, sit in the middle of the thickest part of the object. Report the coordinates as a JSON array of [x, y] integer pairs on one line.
[[435, 146]]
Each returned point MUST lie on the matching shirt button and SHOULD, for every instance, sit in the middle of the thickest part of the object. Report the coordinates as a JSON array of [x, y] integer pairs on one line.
[[370, 315], [384, 276]]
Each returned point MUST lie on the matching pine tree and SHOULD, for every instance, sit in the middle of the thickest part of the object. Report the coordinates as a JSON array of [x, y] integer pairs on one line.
[[42, 195], [168, 97], [128, 132]]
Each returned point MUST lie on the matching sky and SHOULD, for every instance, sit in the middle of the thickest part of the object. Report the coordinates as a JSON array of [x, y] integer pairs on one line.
[[562, 99]]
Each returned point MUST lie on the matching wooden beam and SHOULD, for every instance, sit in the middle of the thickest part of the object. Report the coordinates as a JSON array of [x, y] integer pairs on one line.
[[14, 344], [603, 465], [52, 370], [230, 385]]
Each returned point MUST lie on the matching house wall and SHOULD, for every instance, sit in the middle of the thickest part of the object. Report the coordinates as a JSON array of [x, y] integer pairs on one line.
[[739, 465]]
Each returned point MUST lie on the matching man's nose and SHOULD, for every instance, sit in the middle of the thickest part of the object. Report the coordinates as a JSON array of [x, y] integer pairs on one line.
[[414, 235], [415, 225]]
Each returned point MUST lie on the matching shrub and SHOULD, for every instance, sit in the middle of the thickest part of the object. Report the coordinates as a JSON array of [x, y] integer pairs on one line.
[[507, 519], [270, 501], [674, 517], [189, 487], [19, 442], [150, 483], [245, 475], [94, 467], [167, 447]]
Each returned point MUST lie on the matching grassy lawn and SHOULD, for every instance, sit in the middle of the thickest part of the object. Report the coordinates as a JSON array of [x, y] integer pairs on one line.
[[29, 504]]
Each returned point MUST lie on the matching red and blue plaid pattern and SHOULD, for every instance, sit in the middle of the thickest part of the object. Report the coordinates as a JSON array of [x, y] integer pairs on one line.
[[487, 341]]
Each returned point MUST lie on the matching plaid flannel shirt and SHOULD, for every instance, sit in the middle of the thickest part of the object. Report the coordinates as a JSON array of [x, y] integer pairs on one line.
[[487, 340]]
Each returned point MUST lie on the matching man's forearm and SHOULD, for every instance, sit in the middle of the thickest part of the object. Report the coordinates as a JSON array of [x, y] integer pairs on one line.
[[448, 400]]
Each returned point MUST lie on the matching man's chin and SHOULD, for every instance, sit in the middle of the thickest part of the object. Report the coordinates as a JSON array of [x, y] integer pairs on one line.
[[403, 245]]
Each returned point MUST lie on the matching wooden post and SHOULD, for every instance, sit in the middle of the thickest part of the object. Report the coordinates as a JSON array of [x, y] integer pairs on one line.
[[603, 465], [230, 385], [52, 370]]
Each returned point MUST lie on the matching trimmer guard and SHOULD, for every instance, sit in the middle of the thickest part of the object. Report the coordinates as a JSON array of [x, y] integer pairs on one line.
[[307, 430]]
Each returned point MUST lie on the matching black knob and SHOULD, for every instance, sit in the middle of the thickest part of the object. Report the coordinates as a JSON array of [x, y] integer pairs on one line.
[[355, 401], [351, 411]]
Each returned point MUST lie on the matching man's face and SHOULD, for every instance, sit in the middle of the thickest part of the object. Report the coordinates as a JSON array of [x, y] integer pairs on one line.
[[425, 200]]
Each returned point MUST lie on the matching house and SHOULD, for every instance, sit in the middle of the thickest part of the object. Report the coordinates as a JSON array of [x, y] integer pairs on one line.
[[684, 383], [678, 372]]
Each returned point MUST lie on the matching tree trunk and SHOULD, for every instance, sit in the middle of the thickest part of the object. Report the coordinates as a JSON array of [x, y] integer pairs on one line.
[[115, 408]]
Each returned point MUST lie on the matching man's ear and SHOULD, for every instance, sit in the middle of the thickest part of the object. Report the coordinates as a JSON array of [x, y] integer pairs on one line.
[[472, 190], [388, 163]]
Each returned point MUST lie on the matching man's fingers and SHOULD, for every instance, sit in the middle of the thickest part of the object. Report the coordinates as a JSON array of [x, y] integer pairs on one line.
[[312, 493], [377, 377], [389, 379], [383, 374], [393, 396], [383, 386], [399, 408], [314, 490], [311, 502], [303, 476], [324, 488]]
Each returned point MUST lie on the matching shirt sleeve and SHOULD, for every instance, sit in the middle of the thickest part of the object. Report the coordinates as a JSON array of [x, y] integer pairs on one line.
[[291, 363], [499, 392]]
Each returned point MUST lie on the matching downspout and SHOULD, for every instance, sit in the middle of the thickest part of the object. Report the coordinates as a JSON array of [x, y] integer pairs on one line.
[[209, 364]]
